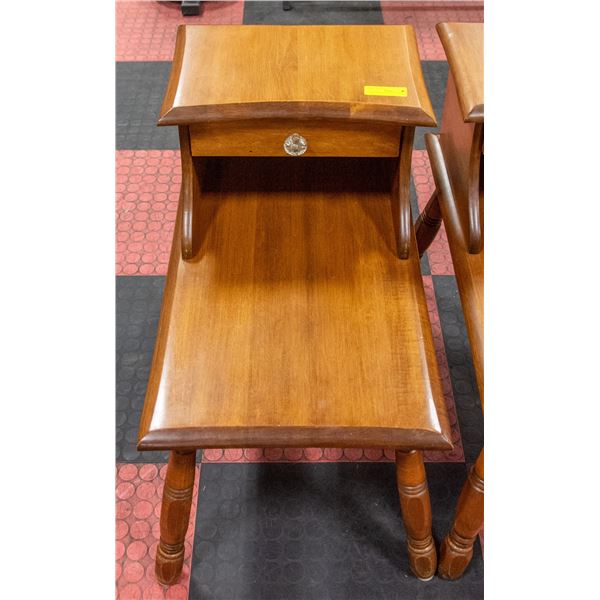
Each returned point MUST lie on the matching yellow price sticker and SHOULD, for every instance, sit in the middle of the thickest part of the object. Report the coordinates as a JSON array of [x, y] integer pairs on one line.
[[385, 90]]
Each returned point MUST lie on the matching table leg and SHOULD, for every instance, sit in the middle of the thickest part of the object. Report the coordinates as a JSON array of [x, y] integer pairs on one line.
[[175, 515], [190, 8], [428, 223], [416, 512], [457, 549]]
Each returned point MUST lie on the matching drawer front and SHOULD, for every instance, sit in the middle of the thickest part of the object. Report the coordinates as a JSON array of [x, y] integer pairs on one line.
[[314, 138]]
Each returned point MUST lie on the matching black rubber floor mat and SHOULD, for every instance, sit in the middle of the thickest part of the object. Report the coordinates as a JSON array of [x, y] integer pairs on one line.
[[316, 531], [140, 90], [138, 310]]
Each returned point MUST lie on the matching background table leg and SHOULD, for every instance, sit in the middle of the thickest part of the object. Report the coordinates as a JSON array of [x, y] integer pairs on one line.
[[428, 223], [190, 8], [457, 548], [416, 512], [175, 515]]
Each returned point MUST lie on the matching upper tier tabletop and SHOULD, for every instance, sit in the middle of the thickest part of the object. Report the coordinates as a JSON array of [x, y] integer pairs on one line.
[[226, 72], [295, 323], [463, 44]]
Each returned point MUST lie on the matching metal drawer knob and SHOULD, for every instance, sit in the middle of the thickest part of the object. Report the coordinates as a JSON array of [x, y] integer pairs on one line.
[[295, 145]]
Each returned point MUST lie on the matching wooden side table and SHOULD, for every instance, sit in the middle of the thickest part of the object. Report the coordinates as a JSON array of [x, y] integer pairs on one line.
[[457, 164], [294, 312]]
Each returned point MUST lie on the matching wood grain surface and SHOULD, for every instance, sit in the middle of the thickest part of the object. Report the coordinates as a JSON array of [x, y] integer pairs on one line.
[[295, 323], [463, 44], [462, 144], [301, 71], [467, 267], [265, 137], [415, 505], [456, 550], [457, 165], [175, 515]]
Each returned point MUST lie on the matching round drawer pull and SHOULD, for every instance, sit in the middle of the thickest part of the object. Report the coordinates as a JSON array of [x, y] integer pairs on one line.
[[295, 145]]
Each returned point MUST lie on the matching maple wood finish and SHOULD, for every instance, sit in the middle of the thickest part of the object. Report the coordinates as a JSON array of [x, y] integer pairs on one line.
[[401, 212], [175, 515], [463, 45], [189, 195], [456, 550], [456, 158], [264, 137], [294, 312], [304, 71], [462, 145], [416, 512], [295, 323], [428, 223], [468, 267]]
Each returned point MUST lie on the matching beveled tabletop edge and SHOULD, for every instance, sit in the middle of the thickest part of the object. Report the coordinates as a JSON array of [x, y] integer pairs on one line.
[[472, 112], [294, 437], [188, 115], [173, 115], [475, 115], [171, 91]]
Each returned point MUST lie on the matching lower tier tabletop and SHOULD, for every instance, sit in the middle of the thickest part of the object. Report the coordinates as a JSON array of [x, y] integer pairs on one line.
[[295, 324]]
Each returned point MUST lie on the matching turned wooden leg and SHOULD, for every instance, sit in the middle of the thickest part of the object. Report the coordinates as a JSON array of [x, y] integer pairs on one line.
[[457, 549], [416, 512], [428, 223], [175, 515]]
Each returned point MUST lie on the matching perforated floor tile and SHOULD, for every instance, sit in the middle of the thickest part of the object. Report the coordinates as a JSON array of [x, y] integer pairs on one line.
[[316, 531], [313, 13], [424, 16], [462, 372], [138, 501], [146, 30], [438, 253], [148, 184], [140, 90]]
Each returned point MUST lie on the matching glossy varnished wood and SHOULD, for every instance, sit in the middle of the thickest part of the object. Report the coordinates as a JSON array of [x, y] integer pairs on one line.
[[175, 515], [456, 158], [416, 512], [296, 72], [189, 196], [428, 223], [463, 44], [462, 145], [294, 312], [295, 323], [457, 548], [265, 137], [401, 212], [468, 267]]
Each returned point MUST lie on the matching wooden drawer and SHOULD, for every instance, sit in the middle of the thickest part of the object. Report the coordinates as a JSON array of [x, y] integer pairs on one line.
[[266, 138]]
